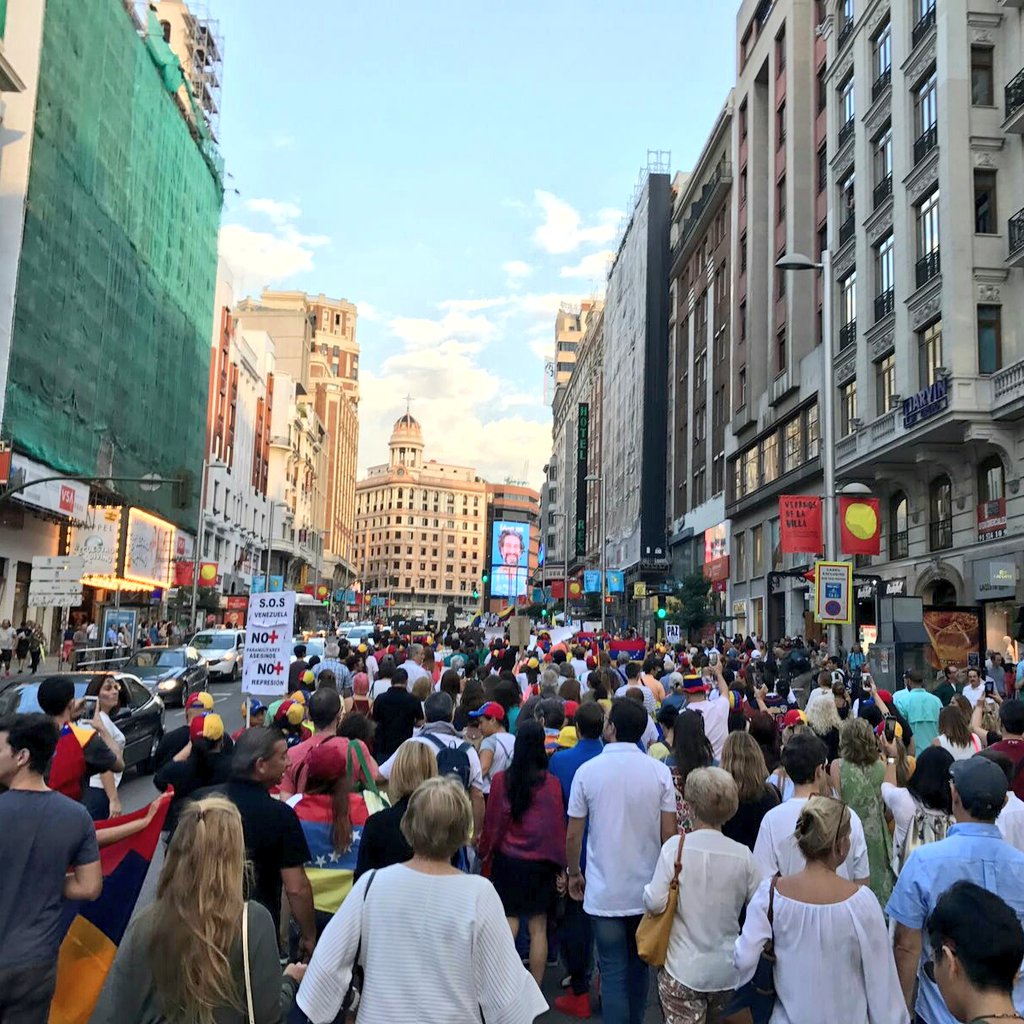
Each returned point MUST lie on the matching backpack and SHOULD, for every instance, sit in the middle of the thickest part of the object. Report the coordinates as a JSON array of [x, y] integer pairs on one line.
[[452, 760], [926, 827]]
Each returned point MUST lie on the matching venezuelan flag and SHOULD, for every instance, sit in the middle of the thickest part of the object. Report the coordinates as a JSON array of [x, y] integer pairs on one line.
[[95, 929], [506, 613], [329, 872]]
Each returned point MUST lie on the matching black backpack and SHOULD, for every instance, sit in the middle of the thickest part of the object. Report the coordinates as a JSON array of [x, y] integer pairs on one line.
[[452, 760]]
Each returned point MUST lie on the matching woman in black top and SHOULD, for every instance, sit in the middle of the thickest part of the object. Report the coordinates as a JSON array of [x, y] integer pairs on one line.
[[743, 760], [382, 842]]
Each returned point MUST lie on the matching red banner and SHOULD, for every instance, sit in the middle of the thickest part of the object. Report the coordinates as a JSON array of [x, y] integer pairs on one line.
[[860, 526], [717, 570], [557, 590], [991, 519], [800, 524], [182, 574], [237, 607]]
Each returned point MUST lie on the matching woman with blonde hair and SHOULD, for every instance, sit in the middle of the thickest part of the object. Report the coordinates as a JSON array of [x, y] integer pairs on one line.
[[743, 760], [382, 842], [955, 734], [397, 912], [857, 777], [823, 719], [814, 910], [200, 953]]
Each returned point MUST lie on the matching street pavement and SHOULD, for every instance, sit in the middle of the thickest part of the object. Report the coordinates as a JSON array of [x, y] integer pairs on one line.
[[137, 791]]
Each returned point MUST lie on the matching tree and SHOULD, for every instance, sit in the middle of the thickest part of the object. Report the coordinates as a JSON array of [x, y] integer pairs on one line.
[[691, 610]]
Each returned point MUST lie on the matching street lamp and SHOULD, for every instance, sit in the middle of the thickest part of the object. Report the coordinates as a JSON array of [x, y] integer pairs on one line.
[[599, 479], [798, 262], [200, 529]]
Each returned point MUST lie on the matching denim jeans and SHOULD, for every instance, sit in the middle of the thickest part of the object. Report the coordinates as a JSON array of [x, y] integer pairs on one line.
[[577, 945], [625, 978]]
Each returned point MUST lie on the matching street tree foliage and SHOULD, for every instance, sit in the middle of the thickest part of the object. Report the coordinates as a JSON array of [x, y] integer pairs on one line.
[[690, 608]]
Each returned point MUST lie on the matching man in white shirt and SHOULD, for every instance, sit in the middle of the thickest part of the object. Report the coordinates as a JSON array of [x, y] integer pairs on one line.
[[372, 667], [633, 682], [805, 759], [579, 666], [628, 801], [974, 688], [413, 664], [715, 712]]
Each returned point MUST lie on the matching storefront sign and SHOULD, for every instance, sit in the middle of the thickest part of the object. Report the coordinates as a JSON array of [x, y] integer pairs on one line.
[[865, 592], [739, 609], [833, 584], [927, 402], [97, 544], [582, 458], [800, 524], [895, 588], [717, 570], [995, 579], [63, 497], [268, 644], [991, 519], [147, 555], [234, 614], [716, 543]]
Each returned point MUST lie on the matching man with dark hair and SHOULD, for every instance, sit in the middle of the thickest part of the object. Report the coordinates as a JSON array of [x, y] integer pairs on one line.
[[973, 851], [974, 968], [1011, 720], [49, 854], [274, 842], [805, 758], [633, 680], [397, 712], [627, 802], [551, 714], [919, 707], [576, 933], [81, 752], [297, 668]]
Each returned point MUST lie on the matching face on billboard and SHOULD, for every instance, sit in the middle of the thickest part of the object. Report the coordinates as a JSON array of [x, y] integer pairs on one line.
[[510, 554]]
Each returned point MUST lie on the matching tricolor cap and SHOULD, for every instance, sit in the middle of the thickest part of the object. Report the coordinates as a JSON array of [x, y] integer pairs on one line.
[[289, 712], [693, 684], [533, 663], [794, 717], [199, 699], [207, 726], [492, 709], [308, 678], [897, 728], [299, 696]]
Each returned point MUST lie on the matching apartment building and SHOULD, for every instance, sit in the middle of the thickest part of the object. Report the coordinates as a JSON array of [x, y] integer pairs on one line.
[[772, 443], [699, 378], [924, 186], [421, 541], [512, 503]]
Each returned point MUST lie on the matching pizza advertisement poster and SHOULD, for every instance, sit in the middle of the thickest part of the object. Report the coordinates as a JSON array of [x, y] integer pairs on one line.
[[955, 634]]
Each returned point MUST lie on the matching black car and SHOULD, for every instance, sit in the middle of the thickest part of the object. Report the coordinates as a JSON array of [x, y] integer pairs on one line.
[[172, 672], [142, 722]]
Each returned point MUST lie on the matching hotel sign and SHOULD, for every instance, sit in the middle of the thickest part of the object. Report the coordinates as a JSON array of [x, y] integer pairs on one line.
[[926, 403]]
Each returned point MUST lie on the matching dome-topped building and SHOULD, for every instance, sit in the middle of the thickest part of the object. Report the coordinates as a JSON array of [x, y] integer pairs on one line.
[[406, 443]]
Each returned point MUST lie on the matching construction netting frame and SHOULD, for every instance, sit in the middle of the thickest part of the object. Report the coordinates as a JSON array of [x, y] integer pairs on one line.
[[110, 352]]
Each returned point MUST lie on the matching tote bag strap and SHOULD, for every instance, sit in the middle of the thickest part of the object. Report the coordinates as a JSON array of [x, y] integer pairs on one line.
[[245, 963]]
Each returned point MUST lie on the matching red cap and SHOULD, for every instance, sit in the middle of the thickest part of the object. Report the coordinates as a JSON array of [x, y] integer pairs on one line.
[[886, 696], [794, 717], [571, 707], [206, 726], [326, 761], [199, 699], [492, 709]]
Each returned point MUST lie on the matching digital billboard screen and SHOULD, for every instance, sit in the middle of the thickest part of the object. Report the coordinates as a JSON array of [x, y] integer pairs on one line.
[[510, 559]]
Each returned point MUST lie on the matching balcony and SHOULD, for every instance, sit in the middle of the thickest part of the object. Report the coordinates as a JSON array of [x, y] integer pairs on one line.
[[1013, 99], [924, 25], [883, 190], [847, 335], [846, 132], [847, 229], [884, 304], [1015, 230], [899, 545], [925, 143], [845, 31], [940, 534], [928, 267], [881, 83], [1008, 392]]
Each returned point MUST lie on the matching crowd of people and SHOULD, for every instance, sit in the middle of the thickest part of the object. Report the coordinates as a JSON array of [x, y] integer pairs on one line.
[[430, 827]]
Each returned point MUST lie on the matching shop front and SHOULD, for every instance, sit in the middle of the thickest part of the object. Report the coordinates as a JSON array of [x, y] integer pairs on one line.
[[995, 590]]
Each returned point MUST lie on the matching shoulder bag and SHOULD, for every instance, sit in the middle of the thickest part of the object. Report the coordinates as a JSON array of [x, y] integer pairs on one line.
[[350, 1004], [245, 963], [652, 934], [764, 975]]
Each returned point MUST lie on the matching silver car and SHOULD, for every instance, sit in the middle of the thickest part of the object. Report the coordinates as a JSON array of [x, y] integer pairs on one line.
[[223, 649]]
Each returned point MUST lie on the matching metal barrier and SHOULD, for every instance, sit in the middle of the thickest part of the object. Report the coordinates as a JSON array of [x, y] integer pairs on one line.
[[84, 659]]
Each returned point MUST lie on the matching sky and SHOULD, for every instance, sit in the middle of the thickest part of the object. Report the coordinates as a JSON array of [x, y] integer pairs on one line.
[[457, 170]]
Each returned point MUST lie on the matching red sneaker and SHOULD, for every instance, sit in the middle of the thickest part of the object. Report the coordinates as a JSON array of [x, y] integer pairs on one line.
[[573, 1005]]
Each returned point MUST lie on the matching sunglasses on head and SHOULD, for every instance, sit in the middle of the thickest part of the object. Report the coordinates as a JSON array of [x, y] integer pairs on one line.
[[929, 965]]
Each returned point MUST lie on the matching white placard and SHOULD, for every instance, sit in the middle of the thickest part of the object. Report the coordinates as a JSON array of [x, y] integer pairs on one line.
[[69, 565], [673, 634], [268, 644]]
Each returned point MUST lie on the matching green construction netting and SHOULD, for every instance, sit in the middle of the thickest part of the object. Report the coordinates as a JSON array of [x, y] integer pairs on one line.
[[111, 343]]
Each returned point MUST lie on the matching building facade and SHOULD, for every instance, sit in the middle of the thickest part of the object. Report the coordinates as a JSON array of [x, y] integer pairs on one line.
[[926, 110], [421, 537], [699, 376]]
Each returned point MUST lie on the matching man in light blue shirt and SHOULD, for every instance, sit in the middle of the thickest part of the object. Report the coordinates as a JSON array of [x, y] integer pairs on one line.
[[973, 851], [920, 708]]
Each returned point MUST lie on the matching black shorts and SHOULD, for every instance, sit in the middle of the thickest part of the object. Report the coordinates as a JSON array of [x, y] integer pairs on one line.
[[5, 656], [526, 887]]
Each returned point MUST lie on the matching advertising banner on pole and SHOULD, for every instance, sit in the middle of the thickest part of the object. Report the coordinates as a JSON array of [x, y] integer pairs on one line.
[[833, 586], [800, 524], [268, 643], [591, 582], [616, 581], [860, 526]]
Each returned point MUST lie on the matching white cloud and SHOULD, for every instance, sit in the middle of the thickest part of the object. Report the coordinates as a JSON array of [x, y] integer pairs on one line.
[[368, 311], [563, 230], [283, 141], [259, 258], [517, 269], [421, 332], [593, 267]]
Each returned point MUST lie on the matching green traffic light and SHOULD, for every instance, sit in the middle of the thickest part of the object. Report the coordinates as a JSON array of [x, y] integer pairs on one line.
[[662, 613], [476, 595], [485, 577]]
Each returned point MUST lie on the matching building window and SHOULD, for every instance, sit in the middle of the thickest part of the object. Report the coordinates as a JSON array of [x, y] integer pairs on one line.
[[928, 239], [743, 120], [991, 479], [770, 458], [741, 388], [743, 253], [757, 550], [940, 511], [882, 56], [847, 109], [847, 207], [847, 408], [985, 203], [848, 309], [882, 159], [791, 445], [718, 473], [813, 433], [982, 76], [750, 470], [898, 521], [926, 115], [822, 88], [822, 167], [885, 384], [990, 338], [780, 51], [884, 284], [743, 322], [780, 125], [699, 489], [780, 348], [780, 200], [740, 543]]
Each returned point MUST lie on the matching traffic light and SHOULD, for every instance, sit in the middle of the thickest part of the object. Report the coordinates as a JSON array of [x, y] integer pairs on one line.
[[608, 599], [661, 611], [485, 576], [476, 594], [543, 613]]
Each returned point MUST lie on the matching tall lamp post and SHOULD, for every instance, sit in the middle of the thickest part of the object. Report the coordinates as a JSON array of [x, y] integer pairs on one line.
[[598, 478]]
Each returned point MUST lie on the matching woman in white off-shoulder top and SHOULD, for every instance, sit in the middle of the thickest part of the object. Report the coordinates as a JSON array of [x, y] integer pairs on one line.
[[833, 958]]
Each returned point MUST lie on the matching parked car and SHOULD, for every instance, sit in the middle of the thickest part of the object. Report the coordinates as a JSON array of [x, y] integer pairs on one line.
[[223, 650], [358, 634], [142, 722], [314, 645], [175, 672]]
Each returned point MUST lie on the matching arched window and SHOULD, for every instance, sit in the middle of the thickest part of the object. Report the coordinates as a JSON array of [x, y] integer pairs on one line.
[[898, 525], [991, 482], [943, 594], [940, 511]]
